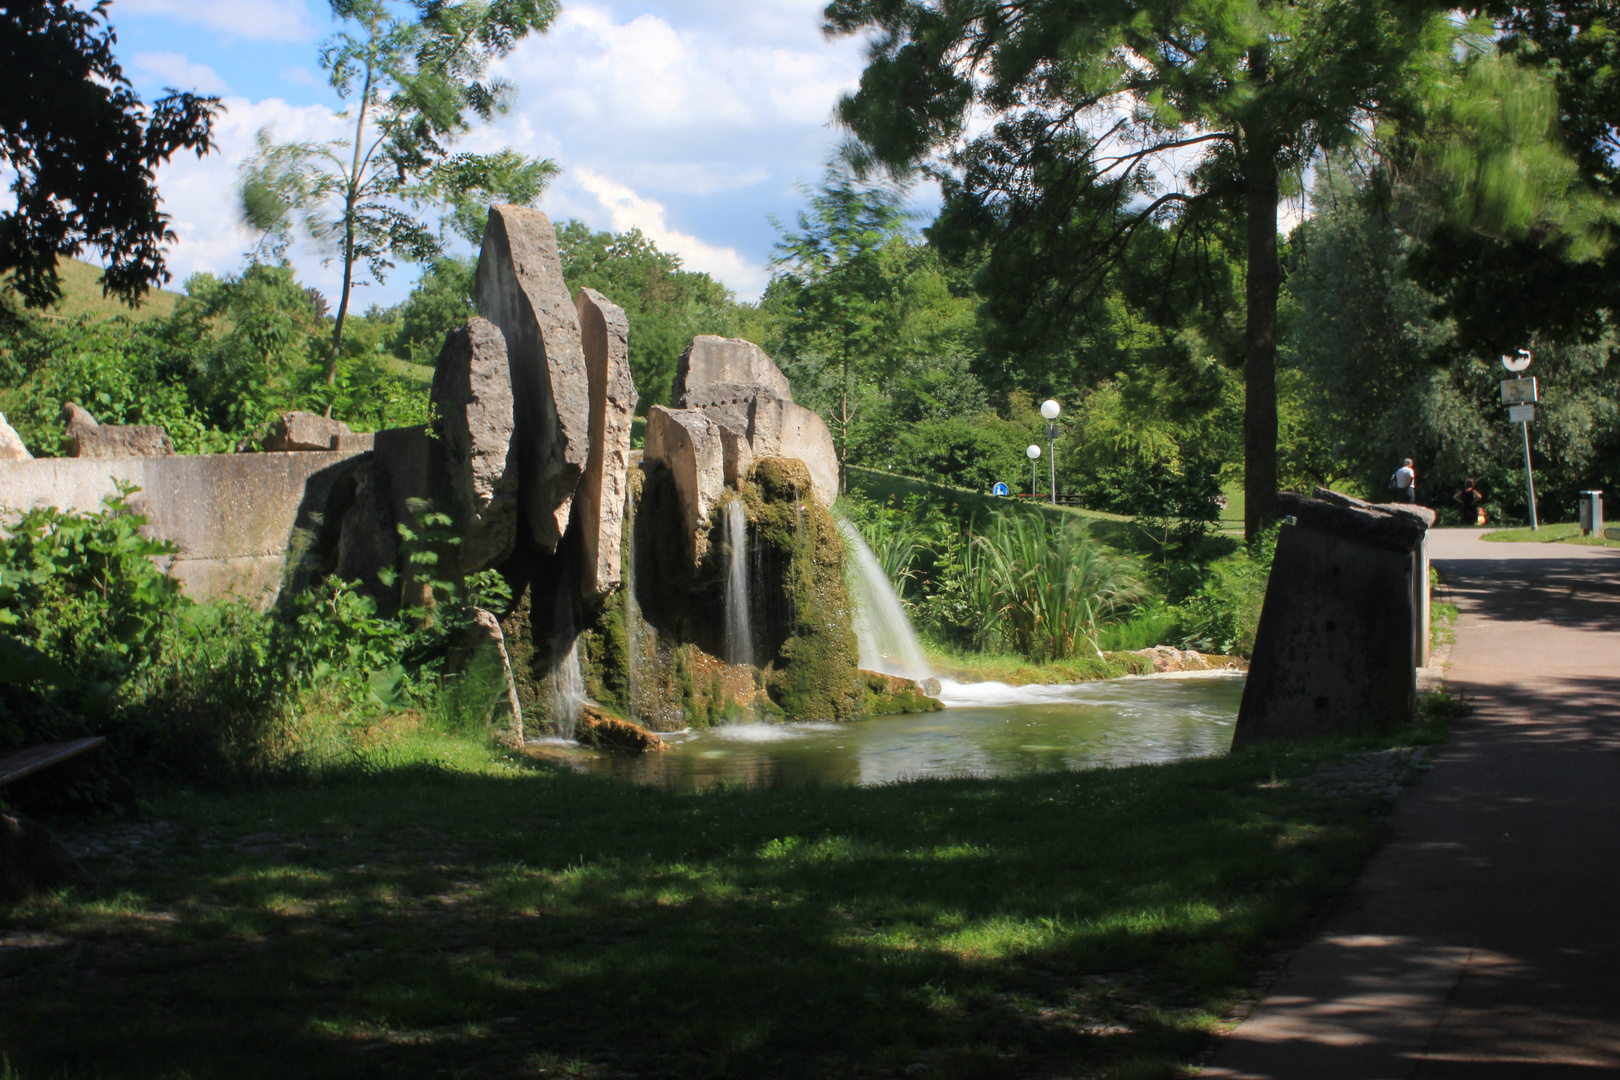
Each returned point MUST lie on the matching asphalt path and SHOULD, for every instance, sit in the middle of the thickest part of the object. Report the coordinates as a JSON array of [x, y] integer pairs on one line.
[[1483, 940]]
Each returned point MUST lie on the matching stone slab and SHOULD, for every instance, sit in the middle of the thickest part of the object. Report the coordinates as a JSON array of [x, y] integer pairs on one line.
[[521, 290], [714, 369], [472, 401], [687, 442], [299, 430], [605, 336]]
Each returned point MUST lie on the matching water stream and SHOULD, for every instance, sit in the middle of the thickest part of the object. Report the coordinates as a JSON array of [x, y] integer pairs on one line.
[[570, 694], [739, 622], [887, 641]]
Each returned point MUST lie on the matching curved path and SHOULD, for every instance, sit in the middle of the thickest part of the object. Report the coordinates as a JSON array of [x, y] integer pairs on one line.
[[1484, 940]]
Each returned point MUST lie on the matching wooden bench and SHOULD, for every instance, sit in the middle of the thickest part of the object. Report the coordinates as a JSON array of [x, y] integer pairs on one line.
[[21, 763]]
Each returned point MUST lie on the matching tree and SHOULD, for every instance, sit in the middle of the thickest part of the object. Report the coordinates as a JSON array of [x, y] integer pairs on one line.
[[1110, 119], [85, 151], [666, 304], [835, 276], [413, 82]]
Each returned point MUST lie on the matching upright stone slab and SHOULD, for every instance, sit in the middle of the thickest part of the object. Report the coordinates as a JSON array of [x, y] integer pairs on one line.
[[520, 290], [780, 428], [472, 404], [716, 370], [687, 443], [1337, 642], [599, 506]]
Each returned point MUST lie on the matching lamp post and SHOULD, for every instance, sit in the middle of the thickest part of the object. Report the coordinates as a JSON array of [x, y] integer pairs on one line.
[[1034, 455], [1050, 410], [1519, 394]]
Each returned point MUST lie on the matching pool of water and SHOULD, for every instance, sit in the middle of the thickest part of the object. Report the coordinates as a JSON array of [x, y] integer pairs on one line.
[[988, 729]]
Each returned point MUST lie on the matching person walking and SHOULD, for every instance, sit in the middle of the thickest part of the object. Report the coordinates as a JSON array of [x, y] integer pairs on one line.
[[1472, 503], [1404, 483]]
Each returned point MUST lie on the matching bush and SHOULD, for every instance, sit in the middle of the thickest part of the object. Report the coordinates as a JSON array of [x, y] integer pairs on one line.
[[1224, 613]]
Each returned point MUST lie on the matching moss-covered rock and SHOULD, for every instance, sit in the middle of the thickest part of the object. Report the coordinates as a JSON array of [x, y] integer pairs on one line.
[[891, 695]]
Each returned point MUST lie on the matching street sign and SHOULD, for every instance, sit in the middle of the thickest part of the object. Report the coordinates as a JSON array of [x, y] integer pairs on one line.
[[1521, 414], [1519, 391], [1517, 362], [999, 489]]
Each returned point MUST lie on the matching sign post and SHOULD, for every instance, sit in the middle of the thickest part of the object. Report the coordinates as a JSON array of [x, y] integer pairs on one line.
[[1519, 395]]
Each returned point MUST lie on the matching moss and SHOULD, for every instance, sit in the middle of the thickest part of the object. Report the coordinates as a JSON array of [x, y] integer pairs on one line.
[[604, 655], [803, 608], [886, 695]]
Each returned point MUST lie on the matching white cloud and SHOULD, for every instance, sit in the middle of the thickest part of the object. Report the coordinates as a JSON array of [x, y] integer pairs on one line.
[[255, 20], [302, 76], [173, 69], [629, 210]]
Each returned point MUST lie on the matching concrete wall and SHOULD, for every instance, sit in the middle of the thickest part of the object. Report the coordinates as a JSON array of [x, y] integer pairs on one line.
[[233, 515], [1337, 639]]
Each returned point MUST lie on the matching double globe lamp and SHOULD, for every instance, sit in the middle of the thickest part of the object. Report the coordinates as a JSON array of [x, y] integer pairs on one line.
[[1050, 410]]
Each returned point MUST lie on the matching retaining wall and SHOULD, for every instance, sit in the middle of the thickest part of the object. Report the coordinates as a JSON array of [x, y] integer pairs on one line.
[[233, 515]]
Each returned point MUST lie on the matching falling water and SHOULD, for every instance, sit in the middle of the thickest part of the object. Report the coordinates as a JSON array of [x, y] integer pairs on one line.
[[887, 641], [739, 623], [632, 611], [570, 694]]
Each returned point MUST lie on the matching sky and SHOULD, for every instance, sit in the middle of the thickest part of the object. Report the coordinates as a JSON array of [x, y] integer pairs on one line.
[[693, 120]]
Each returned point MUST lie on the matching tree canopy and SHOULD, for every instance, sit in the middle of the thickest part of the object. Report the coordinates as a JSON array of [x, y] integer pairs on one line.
[[1109, 119], [85, 150]]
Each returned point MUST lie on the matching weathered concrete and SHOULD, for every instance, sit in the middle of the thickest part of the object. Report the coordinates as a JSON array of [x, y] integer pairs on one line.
[[12, 447], [521, 290], [233, 515], [721, 371], [687, 442], [1336, 648], [299, 430], [1481, 941], [599, 508], [472, 400]]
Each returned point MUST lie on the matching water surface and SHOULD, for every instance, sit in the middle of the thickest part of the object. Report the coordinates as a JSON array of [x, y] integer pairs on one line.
[[987, 730]]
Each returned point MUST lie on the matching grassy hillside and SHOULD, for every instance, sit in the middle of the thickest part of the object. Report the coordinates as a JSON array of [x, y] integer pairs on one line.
[[965, 503], [81, 295]]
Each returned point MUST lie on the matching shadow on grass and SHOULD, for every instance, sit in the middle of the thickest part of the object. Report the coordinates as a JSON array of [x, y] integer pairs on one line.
[[544, 923]]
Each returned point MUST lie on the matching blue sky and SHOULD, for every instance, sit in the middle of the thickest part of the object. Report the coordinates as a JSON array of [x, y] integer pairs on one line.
[[691, 119]]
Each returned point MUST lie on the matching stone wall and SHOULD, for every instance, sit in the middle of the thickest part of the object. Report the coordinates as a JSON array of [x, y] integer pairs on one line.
[[233, 515]]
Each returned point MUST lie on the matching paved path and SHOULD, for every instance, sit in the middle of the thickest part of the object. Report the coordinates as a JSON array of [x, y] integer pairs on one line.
[[1484, 940]]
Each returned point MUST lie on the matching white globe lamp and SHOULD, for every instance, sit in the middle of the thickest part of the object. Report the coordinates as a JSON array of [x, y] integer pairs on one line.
[[1050, 409], [1033, 453]]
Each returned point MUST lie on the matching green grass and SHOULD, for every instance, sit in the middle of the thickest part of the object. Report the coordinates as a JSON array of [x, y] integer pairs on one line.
[[1568, 532], [81, 295], [492, 917]]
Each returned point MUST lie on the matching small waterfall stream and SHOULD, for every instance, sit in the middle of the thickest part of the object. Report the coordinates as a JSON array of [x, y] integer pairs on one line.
[[739, 621], [634, 676], [888, 642], [570, 694]]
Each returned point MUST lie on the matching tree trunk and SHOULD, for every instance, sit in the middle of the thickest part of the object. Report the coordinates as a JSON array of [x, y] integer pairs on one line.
[[1260, 336], [351, 199]]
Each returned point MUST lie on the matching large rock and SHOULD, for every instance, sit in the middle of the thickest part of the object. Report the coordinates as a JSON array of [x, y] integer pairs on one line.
[[11, 444], [33, 860], [735, 383], [719, 371], [472, 399], [88, 439], [599, 509], [688, 443], [299, 430], [780, 428], [520, 290]]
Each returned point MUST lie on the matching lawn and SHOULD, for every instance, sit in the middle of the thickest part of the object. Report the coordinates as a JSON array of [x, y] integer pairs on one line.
[[441, 909], [81, 295], [1568, 532]]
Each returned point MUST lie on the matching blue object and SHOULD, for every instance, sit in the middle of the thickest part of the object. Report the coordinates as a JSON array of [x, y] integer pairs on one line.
[[999, 489]]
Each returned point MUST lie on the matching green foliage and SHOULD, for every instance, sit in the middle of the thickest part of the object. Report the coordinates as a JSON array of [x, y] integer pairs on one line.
[[1222, 615], [666, 305], [441, 301], [83, 589], [1048, 586]]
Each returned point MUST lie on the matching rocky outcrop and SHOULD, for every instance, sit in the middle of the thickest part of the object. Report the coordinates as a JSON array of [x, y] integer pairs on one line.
[[472, 404], [299, 430], [600, 729], [1396, 526], [521, 291], [687, 443], [891, 695], [738, 387], [11, 444], [599, 504], [88, 439]]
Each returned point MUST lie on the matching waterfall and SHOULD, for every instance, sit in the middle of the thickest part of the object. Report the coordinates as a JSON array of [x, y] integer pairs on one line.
[[570, 694], [888, 642], [632, 611], [739, 622]]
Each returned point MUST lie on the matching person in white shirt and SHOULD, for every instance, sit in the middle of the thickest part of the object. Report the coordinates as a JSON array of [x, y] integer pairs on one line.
[[1404, 483]]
